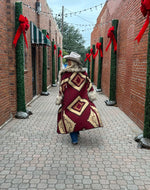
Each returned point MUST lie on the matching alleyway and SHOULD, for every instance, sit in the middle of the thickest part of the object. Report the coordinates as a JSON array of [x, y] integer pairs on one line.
[[33, 156]]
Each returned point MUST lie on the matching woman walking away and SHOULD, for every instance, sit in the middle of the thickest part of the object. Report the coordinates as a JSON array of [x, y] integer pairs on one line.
[[76, 95]]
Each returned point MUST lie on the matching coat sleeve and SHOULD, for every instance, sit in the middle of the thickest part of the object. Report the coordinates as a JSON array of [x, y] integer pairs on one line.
[[90, 90], [60, 95], [62, 86]]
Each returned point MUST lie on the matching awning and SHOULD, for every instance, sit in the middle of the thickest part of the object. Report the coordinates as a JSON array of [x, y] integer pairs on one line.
[[37, 37]]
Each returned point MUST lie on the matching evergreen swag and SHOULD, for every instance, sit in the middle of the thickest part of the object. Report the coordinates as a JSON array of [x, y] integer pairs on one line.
[[100, 67], [21, 108], [59, 55], [112, 95], [44, 71], [93, 64], [53, 64], [147, 101], [88, 62], [144, 139], [112, 90], [89, 66]]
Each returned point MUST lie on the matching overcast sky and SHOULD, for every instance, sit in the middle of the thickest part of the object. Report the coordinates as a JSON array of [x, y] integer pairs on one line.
[[84, 20]]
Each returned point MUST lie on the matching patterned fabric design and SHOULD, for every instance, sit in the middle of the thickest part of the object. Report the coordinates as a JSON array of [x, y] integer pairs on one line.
[[63, 85], [61, 127], [77, 112], [78, 106], [77, 80], [94, 117], [98, 115], [90, 85], [69, 124]]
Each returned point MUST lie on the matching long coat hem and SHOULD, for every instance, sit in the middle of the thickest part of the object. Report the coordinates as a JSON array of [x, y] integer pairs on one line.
[[77, 112]]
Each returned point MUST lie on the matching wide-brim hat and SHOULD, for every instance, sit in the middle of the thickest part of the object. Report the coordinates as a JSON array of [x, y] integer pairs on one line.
[[73, 57]]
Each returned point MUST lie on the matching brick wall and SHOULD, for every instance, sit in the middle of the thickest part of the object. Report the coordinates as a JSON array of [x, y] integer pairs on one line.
[[6, 72], [8, 92], [131, 56]]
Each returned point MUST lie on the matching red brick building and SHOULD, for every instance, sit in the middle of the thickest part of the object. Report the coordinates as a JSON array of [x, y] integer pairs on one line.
[[33, 55], [131, 56]]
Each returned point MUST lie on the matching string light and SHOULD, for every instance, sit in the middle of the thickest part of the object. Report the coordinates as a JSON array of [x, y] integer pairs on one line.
[[79, 12], [48, 14], [90, 26], [71, 14], [80, 16], [28, 6], [41, 12]]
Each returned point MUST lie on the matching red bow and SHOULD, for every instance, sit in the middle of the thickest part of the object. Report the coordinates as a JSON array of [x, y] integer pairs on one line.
[[87, 57], [145, 9], [91, 52], [98, 46], [55, 48], [23, 27], [47, 36], [60, 53], [112, 38]]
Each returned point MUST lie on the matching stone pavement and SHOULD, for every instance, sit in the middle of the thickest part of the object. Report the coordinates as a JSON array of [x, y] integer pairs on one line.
[[33, 156]]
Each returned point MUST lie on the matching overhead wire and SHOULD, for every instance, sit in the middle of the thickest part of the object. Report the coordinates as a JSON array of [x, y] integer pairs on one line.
[[76, 12], [80, 17], [72, 12]]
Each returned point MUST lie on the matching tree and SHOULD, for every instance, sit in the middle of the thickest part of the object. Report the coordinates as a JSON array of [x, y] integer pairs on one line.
[[72, 39], [64, 53]]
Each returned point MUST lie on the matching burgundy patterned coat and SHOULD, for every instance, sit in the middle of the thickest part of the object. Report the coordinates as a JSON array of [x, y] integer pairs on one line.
[[76, 95]]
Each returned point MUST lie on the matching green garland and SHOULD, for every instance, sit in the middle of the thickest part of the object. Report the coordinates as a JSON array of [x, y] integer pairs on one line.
[[100, 66], [19, 62], [93, 65], [58, 61], [112, 92], [146, 133], [53, 64], [88, 65], [44, 71]]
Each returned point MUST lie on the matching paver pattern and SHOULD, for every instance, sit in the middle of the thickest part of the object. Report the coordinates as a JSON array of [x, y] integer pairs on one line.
[[33, 156]]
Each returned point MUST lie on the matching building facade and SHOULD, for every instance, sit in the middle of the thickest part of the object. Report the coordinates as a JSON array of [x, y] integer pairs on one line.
[[38, 13], [131, 56]]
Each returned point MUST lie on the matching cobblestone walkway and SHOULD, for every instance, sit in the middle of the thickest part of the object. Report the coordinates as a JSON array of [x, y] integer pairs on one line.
[[33, 156]]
